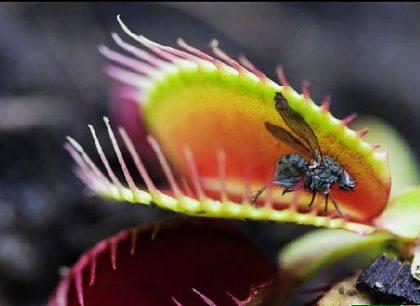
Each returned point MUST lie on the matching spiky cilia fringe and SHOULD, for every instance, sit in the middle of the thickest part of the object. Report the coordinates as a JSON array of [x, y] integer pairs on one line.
[[197, 203]]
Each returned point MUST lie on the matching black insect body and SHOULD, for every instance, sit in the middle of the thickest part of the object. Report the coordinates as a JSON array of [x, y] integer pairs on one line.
[[318, 175]]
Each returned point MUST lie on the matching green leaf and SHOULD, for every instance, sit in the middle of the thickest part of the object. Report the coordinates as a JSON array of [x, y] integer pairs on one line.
[[313, 251], [402, 216]]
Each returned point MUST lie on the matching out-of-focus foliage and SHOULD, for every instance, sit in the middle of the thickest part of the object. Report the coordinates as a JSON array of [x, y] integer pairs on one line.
[[402, 216], [317, 249], [344, 294]]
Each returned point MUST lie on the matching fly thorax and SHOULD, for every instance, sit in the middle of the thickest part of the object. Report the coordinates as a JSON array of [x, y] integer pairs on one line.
[[313, 164], [322, 177]]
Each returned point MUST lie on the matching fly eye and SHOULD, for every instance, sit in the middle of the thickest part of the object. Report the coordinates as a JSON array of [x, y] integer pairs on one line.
[[346, 183]]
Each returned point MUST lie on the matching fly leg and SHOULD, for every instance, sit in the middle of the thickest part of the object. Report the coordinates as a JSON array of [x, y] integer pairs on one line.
[[327, 195], [312, 199], [258, 193], [287, 190], [337, 208]]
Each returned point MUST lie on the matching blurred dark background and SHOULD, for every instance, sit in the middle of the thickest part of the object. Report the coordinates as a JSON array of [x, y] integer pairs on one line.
[[367, 56]]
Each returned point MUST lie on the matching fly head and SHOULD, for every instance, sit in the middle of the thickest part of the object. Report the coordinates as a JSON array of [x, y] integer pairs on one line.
[[346, 182]]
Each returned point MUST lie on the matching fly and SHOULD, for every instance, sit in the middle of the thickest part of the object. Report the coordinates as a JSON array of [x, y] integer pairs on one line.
[[317, 175]]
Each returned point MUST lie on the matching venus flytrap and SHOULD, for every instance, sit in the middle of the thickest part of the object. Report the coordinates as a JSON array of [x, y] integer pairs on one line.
[[205, 116], [225, 104]]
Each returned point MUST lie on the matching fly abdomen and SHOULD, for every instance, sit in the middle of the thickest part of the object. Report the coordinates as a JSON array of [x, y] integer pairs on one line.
[[289, 170], [291, 165]]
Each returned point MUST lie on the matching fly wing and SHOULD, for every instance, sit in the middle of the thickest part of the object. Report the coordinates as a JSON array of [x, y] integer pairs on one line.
[[298, 125], [287, 137]]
